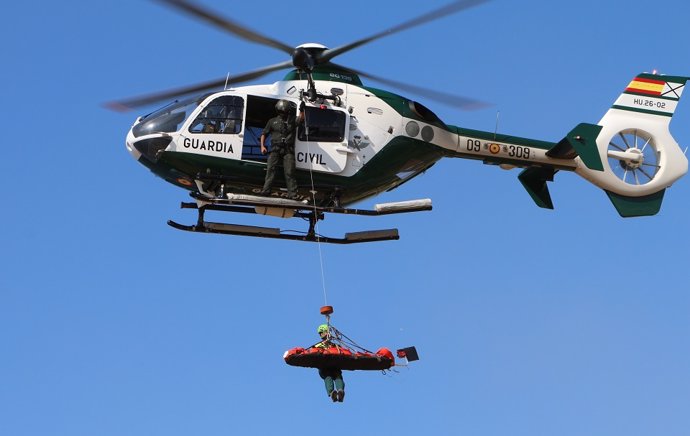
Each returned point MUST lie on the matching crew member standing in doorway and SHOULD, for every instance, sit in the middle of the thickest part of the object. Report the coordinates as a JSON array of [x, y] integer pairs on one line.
[[282, 129]]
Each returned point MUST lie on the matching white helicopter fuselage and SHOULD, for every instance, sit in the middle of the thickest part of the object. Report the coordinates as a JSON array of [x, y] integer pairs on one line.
[[348, 127]]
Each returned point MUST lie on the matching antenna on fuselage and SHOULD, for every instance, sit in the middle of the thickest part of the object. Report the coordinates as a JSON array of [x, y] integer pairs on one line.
[[498, 113], [227, 78]]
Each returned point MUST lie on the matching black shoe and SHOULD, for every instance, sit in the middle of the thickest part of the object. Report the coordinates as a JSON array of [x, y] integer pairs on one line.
[[264, 193], [295, 197], [341, 396], [334, 395]]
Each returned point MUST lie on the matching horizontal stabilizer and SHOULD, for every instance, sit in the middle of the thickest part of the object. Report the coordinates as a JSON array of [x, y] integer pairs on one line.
[[581, 141], [534, 180], [637, 206]]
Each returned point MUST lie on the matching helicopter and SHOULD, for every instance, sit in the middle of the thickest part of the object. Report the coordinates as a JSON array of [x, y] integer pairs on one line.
[[358, 141]]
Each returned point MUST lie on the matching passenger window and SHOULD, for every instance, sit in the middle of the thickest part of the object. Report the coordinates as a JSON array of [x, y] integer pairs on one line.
[[222, 115], [322, 125]]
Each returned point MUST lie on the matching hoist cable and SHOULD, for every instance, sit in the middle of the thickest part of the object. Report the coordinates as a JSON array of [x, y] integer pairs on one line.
[[313, 196]]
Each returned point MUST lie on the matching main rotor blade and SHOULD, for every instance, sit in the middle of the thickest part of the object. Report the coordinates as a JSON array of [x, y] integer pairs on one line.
[[227, 24], [132, 103], [430, 16], [457, 101]]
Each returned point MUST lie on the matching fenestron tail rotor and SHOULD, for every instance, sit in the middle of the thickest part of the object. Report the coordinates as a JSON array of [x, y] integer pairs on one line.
[[633, 156], [303, 57]]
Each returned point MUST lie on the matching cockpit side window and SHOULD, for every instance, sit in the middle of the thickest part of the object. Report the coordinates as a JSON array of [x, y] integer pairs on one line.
[[222, 115], [167, 119], [322, 125]]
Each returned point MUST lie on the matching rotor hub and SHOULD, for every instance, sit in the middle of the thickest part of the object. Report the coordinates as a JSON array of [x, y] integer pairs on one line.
[[634, 161], [305, 56]]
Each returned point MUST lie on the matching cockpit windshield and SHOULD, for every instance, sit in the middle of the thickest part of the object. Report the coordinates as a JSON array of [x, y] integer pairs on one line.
[[167, 119]]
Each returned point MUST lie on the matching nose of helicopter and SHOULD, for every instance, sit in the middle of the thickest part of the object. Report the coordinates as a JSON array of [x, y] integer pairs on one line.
[[129, 144], [148, 147]]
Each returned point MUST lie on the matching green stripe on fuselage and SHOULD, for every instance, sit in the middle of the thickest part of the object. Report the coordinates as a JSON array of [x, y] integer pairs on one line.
[[642, 111], [329, 73], [379, 174], [674, 79]]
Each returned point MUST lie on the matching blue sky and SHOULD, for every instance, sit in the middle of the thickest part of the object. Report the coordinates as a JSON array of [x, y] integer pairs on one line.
[[528, 321]]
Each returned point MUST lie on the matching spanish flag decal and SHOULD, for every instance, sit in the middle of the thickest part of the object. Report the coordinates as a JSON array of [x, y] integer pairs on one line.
[[646, 86]]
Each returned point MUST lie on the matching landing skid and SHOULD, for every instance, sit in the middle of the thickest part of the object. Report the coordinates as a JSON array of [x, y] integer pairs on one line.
[[290, 208]]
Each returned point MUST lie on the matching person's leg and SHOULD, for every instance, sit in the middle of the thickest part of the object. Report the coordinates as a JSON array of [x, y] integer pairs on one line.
[[289, 169], [273, 157], [328, 381], [339, 385]]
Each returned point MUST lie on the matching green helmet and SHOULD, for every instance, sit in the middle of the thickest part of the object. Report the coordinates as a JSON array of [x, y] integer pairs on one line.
[[283, 106], [322, 328]]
